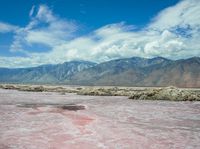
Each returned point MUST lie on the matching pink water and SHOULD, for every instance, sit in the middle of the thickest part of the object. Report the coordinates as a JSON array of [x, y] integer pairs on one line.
[[105, 123]]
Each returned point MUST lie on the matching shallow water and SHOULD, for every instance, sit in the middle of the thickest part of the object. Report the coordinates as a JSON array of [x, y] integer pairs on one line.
[[54, 121]]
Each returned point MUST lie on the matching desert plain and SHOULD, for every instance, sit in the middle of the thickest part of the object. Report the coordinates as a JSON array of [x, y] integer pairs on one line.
[[60, 120]]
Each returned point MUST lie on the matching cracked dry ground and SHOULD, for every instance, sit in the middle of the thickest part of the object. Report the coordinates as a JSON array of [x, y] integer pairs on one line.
[[53, 121]]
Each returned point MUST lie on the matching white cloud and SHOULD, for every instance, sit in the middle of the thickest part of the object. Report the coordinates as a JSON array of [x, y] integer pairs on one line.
[[174, 33], [44, 28], [186, 12], [32, 11], [5, 27]]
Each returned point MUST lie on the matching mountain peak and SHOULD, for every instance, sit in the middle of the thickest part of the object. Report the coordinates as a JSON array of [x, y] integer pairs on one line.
[[160, 58], [193, 60]]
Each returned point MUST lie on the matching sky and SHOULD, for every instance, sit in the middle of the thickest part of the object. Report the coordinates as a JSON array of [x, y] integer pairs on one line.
[[37, 32]]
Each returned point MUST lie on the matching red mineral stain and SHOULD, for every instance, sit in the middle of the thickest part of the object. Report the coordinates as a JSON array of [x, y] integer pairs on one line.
[[59, 140], [80, 120], [83, 120], [34, 112]]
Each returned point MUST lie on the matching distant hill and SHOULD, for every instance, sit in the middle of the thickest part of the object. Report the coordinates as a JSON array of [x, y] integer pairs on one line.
[[133, 71], [142, 72], [44, 73]]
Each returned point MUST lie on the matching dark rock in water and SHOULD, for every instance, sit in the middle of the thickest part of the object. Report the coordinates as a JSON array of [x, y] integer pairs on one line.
[[72, 107]]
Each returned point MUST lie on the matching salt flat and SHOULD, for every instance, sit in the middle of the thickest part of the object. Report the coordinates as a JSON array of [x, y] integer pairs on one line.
[[49, 120]]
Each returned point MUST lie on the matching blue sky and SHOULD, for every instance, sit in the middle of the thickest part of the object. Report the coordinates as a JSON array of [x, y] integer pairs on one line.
[[35, 32]]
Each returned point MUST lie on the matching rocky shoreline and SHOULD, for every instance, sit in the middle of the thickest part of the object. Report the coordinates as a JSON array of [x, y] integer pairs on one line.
[[167, 93], [136, 93]]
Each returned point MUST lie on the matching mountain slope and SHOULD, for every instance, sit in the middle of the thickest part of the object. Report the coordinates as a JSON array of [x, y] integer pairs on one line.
[[45, 73], [133, 71], [142, 72]]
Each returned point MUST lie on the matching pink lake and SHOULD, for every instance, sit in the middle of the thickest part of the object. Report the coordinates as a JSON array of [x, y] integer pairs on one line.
[[46, 120]]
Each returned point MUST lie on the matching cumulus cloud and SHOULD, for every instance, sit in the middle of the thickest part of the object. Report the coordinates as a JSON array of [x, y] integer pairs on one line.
[[174, 33]]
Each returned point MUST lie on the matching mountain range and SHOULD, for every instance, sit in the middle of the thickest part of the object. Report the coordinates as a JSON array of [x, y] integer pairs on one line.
[[133, 71]]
